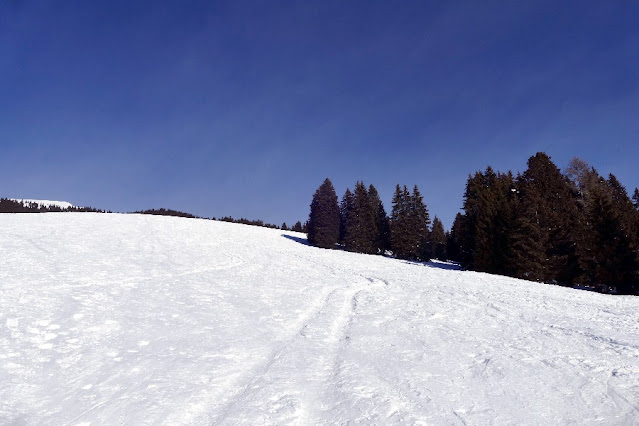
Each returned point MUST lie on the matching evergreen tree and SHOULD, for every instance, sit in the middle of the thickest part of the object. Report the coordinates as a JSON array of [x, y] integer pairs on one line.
[[345, 209], [635, 199], [419, 223], [438, 240], [297, 227], [454, 239], [612, 260], [624, 207], [544, 242], [284, 227], [471, 209], [382, 240], [361, 231], [399, 225], [324, 219], [489, 220], [409, 225]]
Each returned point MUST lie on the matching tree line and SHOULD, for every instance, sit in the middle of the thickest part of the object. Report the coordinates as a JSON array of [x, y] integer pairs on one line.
[[8, 205], [359, 223], [572, 228], [12, 206]]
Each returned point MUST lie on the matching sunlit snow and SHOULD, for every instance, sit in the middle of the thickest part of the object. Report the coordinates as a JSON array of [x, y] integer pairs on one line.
[[112, 319]]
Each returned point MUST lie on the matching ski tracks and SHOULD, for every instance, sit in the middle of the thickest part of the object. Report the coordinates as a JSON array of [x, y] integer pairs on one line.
[[295, 382]]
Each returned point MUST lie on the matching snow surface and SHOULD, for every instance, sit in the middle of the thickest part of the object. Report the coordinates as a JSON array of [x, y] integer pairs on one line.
[[135, 319], [44, 203]]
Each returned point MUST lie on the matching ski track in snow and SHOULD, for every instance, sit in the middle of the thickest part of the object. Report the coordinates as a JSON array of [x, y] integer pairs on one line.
[[132, 319]]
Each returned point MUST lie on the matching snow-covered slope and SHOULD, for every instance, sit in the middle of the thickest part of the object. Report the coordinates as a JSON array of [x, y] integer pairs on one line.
[[132, 319], [45, 203]]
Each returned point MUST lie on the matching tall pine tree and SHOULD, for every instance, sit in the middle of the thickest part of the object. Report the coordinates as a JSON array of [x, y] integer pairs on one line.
[[438, 240], [488, 204], [612, 260], [454, 239], [382, 239], [360, 229], [345, 209], [544, 243], [324, 219], [420, 222], [409, 225]]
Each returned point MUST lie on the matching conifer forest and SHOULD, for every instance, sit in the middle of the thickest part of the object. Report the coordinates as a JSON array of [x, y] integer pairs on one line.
[[573, 228]]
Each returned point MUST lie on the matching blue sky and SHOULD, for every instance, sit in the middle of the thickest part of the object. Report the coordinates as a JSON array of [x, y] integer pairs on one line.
[[242, 108]]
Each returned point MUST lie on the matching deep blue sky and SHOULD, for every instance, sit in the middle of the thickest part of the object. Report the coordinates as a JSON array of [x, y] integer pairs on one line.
[[242, 108]]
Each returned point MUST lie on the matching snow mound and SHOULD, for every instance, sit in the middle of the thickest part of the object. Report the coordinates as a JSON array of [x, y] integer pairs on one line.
[[137, 319], [44, 203]]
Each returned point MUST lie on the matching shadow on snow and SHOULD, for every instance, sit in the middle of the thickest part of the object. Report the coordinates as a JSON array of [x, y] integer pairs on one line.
[[297, 239], [450, 266]]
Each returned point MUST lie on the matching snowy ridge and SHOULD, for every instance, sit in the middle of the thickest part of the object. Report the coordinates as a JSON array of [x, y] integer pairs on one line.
[[44, 203], [136, 319]]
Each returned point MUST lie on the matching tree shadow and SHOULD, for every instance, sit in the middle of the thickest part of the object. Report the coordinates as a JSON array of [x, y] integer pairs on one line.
[[297, 239], [447, 266]]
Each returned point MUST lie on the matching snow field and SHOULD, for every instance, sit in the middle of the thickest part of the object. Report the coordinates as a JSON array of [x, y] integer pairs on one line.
[[134, 319]]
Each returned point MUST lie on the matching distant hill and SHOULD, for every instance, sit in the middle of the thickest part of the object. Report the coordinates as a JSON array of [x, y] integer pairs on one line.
[[44, 203], [25, 205]]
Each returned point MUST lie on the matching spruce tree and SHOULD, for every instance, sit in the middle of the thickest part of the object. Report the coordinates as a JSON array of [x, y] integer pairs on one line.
[[438, 240], [471, 209], [487, 236], [284, 227], [345, 209], [419, 223], [454, 239], [399, 226], [361, 231], [382, 239], [635, 199], [612, 259], [324, 218], [409, 225], [545, 244]]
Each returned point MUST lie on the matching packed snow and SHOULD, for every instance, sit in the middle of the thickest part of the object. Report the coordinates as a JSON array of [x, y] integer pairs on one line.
[[133, 319], [44, 203]]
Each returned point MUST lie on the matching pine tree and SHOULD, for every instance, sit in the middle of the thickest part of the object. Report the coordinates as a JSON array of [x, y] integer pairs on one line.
[[399, 226], [360, 230], [409, 225], [419, 223], [454, 239], [545, 247], [635, 199], [324, 219], [489, 221], [612, 259], [298, 227], [345, 209], [471, 209], [624, 207], [284, 227], [382, 239], [438, 240]]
